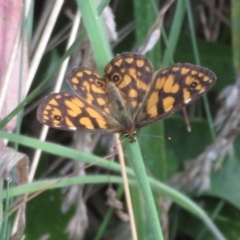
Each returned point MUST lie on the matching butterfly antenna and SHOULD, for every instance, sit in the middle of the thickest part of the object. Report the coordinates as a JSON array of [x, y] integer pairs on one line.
[[155, 136]]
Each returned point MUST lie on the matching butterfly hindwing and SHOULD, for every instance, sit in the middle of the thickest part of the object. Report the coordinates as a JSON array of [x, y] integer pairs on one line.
[[68, 112]]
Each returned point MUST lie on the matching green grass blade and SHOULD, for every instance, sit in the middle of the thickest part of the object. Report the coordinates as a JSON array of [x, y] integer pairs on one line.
[[136, 161], [174, 33], [197, 58], [4, 227], [235, 17], [58, 150], [145, 15], [96, 32], [97, 36]]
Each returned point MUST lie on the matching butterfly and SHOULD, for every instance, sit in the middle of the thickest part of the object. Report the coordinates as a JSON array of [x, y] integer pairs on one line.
[[129, 96]]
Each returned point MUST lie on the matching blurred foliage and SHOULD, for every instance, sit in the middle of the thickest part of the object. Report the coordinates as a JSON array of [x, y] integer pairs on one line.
[[43, 213]]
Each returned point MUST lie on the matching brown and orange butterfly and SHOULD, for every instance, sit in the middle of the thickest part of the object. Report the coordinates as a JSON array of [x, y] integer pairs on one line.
[[129, 96]]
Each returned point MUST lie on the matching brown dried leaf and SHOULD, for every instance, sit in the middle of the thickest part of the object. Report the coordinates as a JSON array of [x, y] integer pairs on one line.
[[108, 19], [154, 33], [112, 201], [165, 204], [79, 222], [10, 159], [10, 25], [196, 173]]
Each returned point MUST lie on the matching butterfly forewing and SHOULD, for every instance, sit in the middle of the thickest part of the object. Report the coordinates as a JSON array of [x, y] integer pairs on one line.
[[173, 88], [90, 88]]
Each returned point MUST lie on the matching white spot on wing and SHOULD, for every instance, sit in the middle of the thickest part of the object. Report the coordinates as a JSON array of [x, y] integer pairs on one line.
[[202, 90], [188, 100], [72, 128]]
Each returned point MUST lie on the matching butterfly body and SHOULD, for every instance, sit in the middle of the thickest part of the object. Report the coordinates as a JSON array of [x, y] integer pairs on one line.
[[120, 112], [129, 96]]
